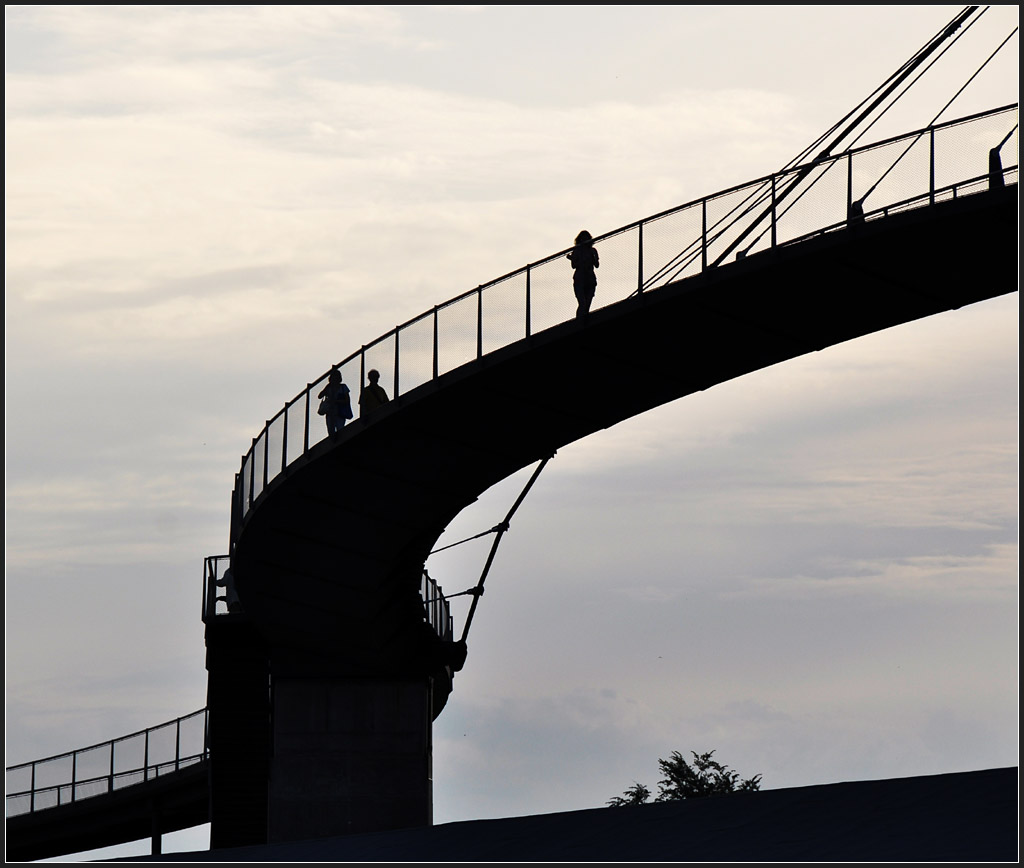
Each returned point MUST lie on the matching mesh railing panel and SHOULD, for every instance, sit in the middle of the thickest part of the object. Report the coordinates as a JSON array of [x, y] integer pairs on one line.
[[275, 445], [257, 465], [618, 274], [296, 429], [456, 334], [54, 771], [962, 150], [820, 202], [92, 763], [551, 297], [416, 354], [244, 478], [672, 244], [504, 313], [93, 787], [317, 430], [380, 356]]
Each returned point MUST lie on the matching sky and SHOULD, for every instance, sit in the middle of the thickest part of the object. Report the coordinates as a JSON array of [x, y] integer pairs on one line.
[[811, 570]]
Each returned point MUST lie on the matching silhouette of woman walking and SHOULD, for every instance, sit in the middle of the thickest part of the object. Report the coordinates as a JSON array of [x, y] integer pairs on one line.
[[584, 261], [335, 403]]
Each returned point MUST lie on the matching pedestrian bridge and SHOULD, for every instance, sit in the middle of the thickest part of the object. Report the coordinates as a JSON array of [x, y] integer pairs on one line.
[[330, 535]]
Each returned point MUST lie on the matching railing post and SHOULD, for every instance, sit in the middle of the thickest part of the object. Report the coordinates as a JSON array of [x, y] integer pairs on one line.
[[145, 756], [435, 341], [74, 773], [774, 214], [849, 186], [284, 440], [397, 333], [640, 259], [236, 516], [32, 791], [704, 235], [931, 166], [305, 432], [252, 471], [177, 744], [110, 786], [266, 453], [528, 300], [362, 366], [479, 321]]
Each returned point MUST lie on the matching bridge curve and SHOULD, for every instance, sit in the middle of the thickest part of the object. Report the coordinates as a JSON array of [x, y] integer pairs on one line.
[[328, 547], [328, 553]]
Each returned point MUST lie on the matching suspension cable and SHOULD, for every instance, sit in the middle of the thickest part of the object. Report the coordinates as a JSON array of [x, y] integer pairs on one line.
[[482, 533], [872, 101], [895, 99], [892, 84], [679, 262], [478, 590], [939, 115], [921, 73]]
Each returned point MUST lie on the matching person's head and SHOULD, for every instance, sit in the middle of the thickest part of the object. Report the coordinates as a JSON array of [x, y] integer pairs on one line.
[[373, 376], [334, 376], [584, 237]]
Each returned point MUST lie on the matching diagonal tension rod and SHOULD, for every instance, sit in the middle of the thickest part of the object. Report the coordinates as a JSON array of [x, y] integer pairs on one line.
[[478, 591]]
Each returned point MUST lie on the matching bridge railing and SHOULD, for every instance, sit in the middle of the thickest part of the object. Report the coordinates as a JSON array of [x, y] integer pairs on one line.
[[218, 594], [219, 599], [111, 765], [914, 170], [436, 608]]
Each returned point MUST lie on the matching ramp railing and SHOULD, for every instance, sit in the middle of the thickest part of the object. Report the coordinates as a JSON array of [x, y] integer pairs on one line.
[[111, 765]]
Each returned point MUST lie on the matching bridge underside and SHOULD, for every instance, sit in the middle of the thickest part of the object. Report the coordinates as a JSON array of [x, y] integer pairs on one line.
[[329, 559]]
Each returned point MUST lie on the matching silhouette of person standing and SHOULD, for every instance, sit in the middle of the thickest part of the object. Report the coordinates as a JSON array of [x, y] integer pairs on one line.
[[372, 396], [335, 403], [584, 261]]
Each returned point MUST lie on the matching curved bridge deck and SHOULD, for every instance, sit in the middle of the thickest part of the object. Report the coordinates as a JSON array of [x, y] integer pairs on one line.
[[327, 558]]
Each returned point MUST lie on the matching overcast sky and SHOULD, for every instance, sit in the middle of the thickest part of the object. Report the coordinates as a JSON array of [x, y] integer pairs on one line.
[[811, 570]]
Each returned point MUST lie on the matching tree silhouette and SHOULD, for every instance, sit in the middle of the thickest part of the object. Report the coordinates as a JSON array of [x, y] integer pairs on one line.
[[680, 780], [634, 795]]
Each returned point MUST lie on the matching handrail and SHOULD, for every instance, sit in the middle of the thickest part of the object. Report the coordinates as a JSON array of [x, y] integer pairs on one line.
[[222, 603], [436, 609], [100, 768], [218, 590], [939, 161]]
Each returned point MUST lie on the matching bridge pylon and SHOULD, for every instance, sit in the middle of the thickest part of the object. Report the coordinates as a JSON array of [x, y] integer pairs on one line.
[[307, 744]]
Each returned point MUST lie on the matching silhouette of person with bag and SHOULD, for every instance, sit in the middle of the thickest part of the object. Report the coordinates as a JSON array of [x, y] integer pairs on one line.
[[335, 403]]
